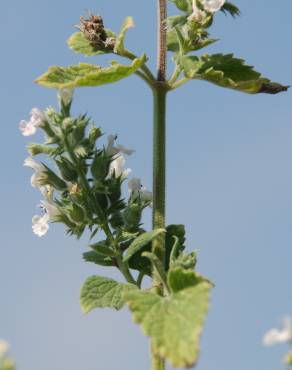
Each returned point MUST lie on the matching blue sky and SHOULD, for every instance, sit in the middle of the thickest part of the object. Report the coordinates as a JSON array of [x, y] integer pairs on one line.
[[229, 181]]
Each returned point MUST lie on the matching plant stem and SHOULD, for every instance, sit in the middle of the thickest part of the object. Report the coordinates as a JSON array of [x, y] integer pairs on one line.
[[159, 156]]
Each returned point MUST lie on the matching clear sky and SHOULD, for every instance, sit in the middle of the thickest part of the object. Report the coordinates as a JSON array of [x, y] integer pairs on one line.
[[229, 180]]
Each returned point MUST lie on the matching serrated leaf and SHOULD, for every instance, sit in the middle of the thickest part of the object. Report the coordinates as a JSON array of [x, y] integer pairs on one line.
[[141, 241], [85, 74], [102, 292], [173, 323], [227, 71], [119, 45], [189, 45]]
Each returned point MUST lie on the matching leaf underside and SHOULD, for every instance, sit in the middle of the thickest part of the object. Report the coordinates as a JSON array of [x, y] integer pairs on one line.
[[85, 74], [229, 72]]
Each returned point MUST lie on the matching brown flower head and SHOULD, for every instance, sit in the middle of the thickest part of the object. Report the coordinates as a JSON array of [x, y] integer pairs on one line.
[[94, 31]]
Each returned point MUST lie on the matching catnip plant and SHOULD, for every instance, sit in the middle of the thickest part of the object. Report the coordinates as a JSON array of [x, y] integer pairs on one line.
[[82, 183]]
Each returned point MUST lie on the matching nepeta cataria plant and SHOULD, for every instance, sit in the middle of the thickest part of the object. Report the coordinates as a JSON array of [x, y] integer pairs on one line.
[[83, 190]]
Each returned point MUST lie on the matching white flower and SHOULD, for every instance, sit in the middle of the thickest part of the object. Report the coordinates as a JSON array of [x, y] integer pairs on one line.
[[113, 149], [40, 224], [38, 168], [212, 6], [275, 336], [197, 15], [66, 96], [116, 168], [4, 348], [138, 190], [29, 128]]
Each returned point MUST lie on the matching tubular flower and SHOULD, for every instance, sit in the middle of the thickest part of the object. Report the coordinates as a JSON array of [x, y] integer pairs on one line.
[[40, 224], [29, 128], [212, 6], [197, 14], [66, 96], [113, 149], [38, 168], [275, 336], [137, 190], [116, 168]]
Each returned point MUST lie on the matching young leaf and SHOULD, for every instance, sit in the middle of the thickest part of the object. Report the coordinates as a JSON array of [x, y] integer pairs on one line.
[[179, 279], [174, 323], [85, 74], [101, 292], [227, 71], [98, 259], [119, 45], [79, 43], [141, 241]]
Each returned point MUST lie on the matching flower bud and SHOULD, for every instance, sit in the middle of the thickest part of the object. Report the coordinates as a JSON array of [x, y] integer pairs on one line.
[[94, 134], [132, 216], [100, 166], [65, 96], [76, 213]]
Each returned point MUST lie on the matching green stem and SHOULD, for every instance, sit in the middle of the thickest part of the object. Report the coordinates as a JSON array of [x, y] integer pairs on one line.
[[159, 168], [159, 156]]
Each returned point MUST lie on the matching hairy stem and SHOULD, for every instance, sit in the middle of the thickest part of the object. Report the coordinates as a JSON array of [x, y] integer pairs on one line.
[[159, 144]]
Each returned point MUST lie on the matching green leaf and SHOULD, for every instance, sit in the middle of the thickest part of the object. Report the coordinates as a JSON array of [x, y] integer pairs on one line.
[[173, 323], [78, 43], [227, 71], [98, 259], [119, 45], [103, 249], [85, 74], [179, 279], [101, 292], [141, 241], [230, 8]]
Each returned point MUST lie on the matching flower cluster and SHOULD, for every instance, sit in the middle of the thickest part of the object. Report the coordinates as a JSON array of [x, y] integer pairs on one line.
[[86, 189]]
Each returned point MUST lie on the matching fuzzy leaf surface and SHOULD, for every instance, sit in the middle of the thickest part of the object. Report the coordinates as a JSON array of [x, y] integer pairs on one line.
[[85, 74], [173, 323], [119, 45], [102, 292], [229, 72], [141, 241], [80, 45]]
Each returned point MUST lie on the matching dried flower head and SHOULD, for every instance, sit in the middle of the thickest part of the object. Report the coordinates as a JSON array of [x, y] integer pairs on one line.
[[94, 31]]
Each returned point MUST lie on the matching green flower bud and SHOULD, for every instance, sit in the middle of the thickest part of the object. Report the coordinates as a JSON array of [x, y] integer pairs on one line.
[[76, 214], [100, 166], [94, 134], [132, 216], [35, 149]]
